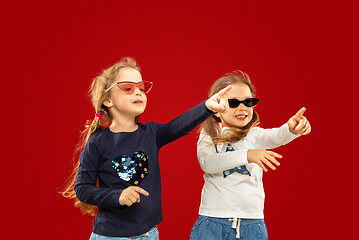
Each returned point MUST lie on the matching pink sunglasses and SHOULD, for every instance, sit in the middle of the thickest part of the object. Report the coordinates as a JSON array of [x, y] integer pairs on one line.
[[129, 87]]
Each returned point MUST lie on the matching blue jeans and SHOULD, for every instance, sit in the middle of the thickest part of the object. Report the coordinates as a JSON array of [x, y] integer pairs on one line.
[[209, 228], [152, 235]]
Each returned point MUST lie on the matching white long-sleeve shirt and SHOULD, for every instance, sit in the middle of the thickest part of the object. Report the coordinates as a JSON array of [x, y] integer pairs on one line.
[[227, 193]]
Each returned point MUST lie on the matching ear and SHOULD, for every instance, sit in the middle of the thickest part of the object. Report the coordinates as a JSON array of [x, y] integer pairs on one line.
[[108, 103]]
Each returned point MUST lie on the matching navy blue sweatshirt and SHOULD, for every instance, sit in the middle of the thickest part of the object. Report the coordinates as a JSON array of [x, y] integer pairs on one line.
[[126, 159]]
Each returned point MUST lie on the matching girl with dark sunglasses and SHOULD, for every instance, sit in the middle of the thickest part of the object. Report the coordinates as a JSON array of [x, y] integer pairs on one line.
[[117, 174], [230, 154]]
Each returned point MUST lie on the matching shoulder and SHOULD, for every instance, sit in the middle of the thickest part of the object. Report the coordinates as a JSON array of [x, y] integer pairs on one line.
[[152, 125], [98, 139], [204, 140], [149, 124], [93, 145], [98, 136], [203, 136]]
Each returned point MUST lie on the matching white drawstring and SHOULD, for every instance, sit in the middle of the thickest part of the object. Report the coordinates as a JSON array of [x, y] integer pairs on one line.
[[236, 224]]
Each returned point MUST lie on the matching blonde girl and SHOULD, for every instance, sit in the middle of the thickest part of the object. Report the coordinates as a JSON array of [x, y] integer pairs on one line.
[[232, 198], [118, 172]]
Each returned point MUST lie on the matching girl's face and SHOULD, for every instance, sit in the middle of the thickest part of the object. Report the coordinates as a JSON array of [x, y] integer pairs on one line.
[[122, 104], [241, 115]]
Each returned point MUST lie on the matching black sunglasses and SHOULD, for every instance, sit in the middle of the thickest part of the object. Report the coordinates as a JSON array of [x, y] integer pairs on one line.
[[249, 102]]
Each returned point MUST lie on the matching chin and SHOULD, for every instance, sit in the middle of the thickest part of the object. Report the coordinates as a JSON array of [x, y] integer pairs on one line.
[[242, 125], [140, 112]]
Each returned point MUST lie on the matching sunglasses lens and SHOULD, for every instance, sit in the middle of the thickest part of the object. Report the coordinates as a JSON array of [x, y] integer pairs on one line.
[[128, 88], [141, 86], [233, 103], [250, 102], [145, 86]]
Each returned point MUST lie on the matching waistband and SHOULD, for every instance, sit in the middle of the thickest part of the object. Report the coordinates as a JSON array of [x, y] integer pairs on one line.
[[229, 221], [235, 223]]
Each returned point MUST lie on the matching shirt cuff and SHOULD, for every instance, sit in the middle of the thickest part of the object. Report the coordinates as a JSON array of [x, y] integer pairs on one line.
[[243, 157]]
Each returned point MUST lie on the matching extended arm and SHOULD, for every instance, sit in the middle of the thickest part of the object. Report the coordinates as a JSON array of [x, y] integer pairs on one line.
[[271, 138], [186, 122]]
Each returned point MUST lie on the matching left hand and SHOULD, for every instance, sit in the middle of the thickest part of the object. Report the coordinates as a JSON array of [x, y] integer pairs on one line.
[[262, 158], [218, 103], [298, 124]]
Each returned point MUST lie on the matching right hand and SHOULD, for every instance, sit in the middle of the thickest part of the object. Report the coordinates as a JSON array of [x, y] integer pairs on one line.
[[262, 157], [298, 124], [218, 102], [131, 195]]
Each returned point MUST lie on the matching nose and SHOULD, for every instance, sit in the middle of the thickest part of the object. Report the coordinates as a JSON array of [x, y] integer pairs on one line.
[[137, 91], [241, 107]]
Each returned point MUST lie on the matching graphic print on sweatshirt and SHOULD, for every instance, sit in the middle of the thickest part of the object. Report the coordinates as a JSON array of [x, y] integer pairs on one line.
[[132, 170], [242, 169]]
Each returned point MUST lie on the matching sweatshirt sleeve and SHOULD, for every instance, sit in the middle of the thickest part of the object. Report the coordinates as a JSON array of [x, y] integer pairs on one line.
[[271, 138], [85, 187], [212, 161], [183, 124]]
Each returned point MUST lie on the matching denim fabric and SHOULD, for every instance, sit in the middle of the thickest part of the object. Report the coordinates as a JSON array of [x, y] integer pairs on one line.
[[209, 228], [153, 235]]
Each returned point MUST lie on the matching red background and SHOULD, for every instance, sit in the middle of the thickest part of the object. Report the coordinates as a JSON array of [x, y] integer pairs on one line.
[[296, 53]]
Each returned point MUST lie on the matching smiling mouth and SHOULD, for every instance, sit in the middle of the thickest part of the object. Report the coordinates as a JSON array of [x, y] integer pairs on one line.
[[138, 102], [241, 116]]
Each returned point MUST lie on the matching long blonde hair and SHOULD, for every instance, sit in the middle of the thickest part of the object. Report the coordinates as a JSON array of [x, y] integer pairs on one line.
[[102, 120], [212, 127]]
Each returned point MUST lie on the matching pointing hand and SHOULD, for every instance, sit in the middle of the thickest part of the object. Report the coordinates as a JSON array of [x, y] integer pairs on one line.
[[218, 103], [131, 195], [298, 124]]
